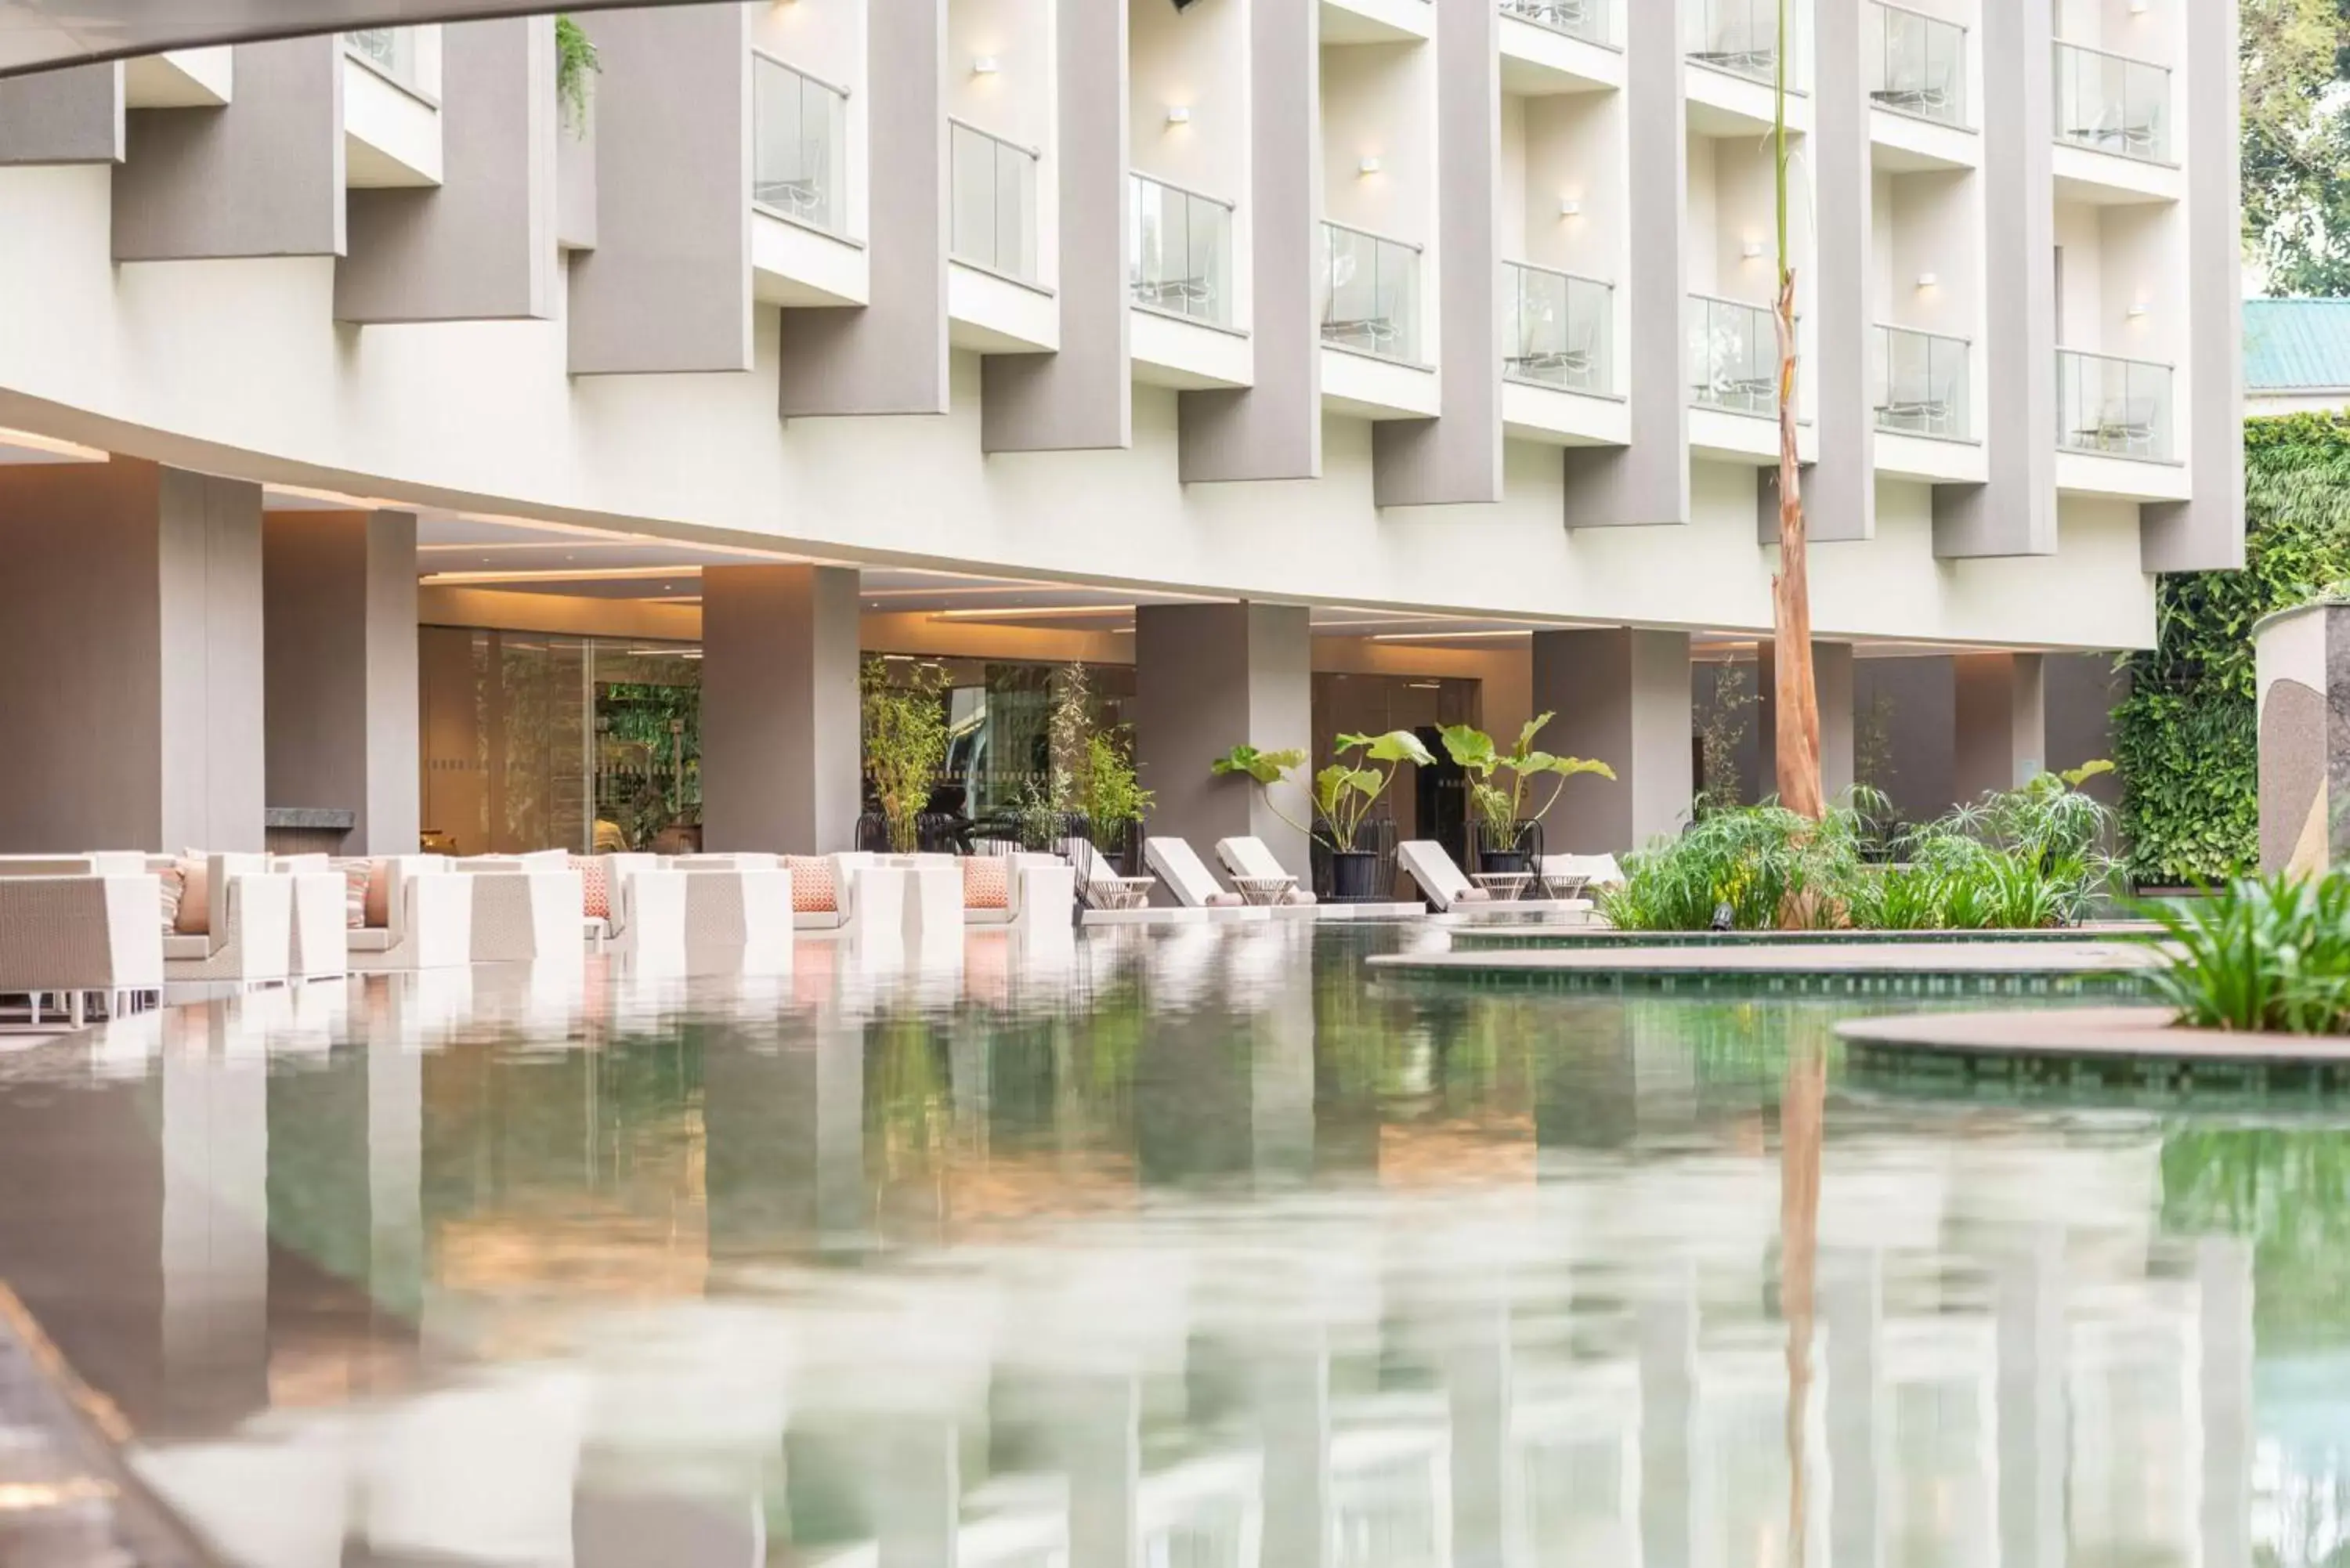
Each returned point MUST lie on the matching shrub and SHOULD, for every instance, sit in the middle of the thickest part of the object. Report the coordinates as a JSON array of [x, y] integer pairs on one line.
[[2267, 954], [1767, 864]]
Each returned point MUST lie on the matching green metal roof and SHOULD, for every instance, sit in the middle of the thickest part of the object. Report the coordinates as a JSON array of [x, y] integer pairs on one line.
[[2296, 345]]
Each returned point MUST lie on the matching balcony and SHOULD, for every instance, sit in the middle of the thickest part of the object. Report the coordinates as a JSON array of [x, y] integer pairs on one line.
[[1181, 286], [2108, 103], [391, 112], [1558, 358], [392, 51], [1741, 38], [1585, 19], [1921, 384], [1915, 63], [2109, 407], [995, 302], [1371, 364], [801, 251], [1734, 363]]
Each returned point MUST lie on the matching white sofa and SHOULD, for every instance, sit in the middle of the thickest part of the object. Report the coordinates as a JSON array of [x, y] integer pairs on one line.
[[248, 915], [1040, 889], [321, 921], [526, 908], [735, 918], [429, 923], [80, 937]]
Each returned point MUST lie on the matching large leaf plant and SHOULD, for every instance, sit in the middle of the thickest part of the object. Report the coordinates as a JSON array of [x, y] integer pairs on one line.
[[1498, 780], [1343, 792]]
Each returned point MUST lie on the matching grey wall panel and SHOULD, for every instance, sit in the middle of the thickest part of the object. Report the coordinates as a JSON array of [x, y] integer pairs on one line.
[[1082, 397], [338, 598], [2207, 532], [1905, 725], [2015, 512], [1840, 492], [1832, 665], [1623, 697], [1458, 457], [1208, 677], [262, 176], [480, 246], [890, 357], [1273, 429], [208, 562], [72, 116], [667, 286], [2001, 729], [575, 178], [2082, 692], [1648, 481], [780, 750]]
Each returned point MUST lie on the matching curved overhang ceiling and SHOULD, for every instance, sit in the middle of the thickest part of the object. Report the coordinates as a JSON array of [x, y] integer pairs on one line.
[[39, 34]]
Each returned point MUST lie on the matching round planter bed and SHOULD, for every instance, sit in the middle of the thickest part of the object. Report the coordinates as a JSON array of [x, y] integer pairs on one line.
[[2108, 1046]]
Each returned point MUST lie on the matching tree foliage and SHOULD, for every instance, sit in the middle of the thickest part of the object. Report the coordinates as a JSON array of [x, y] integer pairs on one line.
[[2295, 64], [2187, 736]]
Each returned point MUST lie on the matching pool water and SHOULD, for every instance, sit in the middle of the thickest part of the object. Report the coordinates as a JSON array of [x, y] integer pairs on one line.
[[1186, 1249]]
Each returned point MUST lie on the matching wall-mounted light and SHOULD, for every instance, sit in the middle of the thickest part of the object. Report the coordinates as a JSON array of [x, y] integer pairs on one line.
[[2138, 307], [1367, 166], [1928, 279], [1751, 250], [1179, 114], [1570, 207], [2141, 7], [986, 66]]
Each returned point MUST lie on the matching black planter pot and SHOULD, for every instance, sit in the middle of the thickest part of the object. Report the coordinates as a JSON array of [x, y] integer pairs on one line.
[[1354, 876], [1515, 854], [1505, 862]]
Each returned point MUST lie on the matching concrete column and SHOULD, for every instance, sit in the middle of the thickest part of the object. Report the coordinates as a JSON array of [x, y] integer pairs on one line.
[[480, 245], [2015, 512], [1649, 480], [780, 748], [2002, 722], [1208, 677], [133, 645], [2223, 1272], [2028, 1308], [1273, 429], [338, 613], [2206, 531], [259, 176], [72, 116], [1082, 397], [890, 357], [1832, 680], [1458, 457], [1622, 696], [1840, 491], [667, 286]]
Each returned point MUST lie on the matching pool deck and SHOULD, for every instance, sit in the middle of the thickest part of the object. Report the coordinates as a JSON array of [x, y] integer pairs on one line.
[[1765, 961], [1568, 936], [2137, 1034]]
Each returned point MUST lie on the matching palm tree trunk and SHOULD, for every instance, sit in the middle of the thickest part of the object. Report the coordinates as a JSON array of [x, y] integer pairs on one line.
[[1797, 703]]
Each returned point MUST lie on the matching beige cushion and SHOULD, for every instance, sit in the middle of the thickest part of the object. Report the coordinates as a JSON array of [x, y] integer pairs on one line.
[[194, 915], [174, 888], [376, 911]]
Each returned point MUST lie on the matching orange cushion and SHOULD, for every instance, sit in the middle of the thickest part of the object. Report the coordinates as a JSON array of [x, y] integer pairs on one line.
[[357, 874], [595, 886], [173, 890], [377, 915], [195, 913], [813, 889], [986, 882]]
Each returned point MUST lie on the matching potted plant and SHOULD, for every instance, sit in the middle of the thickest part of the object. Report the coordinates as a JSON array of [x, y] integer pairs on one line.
[[1501, 826], [1343, 795], [1111, 795], [905, 736]]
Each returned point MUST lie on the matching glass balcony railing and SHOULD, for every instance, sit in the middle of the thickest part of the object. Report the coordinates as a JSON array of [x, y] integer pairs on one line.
[[1915, 63], [994, 201], [2112, 407], [1742, 37], [1558, 330], [1585, 19], [2112, 104], [799, 145], [1182, 247], [1734, 356], [1919, 383], [1370, 293], [391, 50]]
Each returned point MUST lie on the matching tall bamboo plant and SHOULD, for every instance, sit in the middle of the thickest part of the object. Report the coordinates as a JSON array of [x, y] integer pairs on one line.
[[1798, 696]]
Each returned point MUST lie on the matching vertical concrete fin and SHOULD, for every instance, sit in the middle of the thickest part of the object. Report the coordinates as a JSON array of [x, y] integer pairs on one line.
[[2015, 512], [575, 174], [1840, 494], [208, 565], [1458, 457], [259, 176], [479, 246], [1082, 397], [667, 286], [72, 116], [1209, 677], [779, 707], [1273, 429], [2206, 533], [1648, 481], [890, 357], [1832, 682]]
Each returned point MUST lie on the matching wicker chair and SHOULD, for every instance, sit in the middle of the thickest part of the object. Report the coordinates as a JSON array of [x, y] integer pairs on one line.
[[79, 938]]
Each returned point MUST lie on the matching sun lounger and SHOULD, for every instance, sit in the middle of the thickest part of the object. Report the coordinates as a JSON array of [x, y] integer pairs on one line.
[[1187, 876], [1261, 878]]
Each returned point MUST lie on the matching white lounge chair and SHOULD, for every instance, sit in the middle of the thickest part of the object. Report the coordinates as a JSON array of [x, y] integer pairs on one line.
[[1261, 878], [1439, 879], [248, 918], [1100, 883], [1187, 876], [79, 937], [736, 920], [321, 944], [429, 918]]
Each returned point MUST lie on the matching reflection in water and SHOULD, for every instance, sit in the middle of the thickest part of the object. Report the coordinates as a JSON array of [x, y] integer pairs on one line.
[[1193, 1249]]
